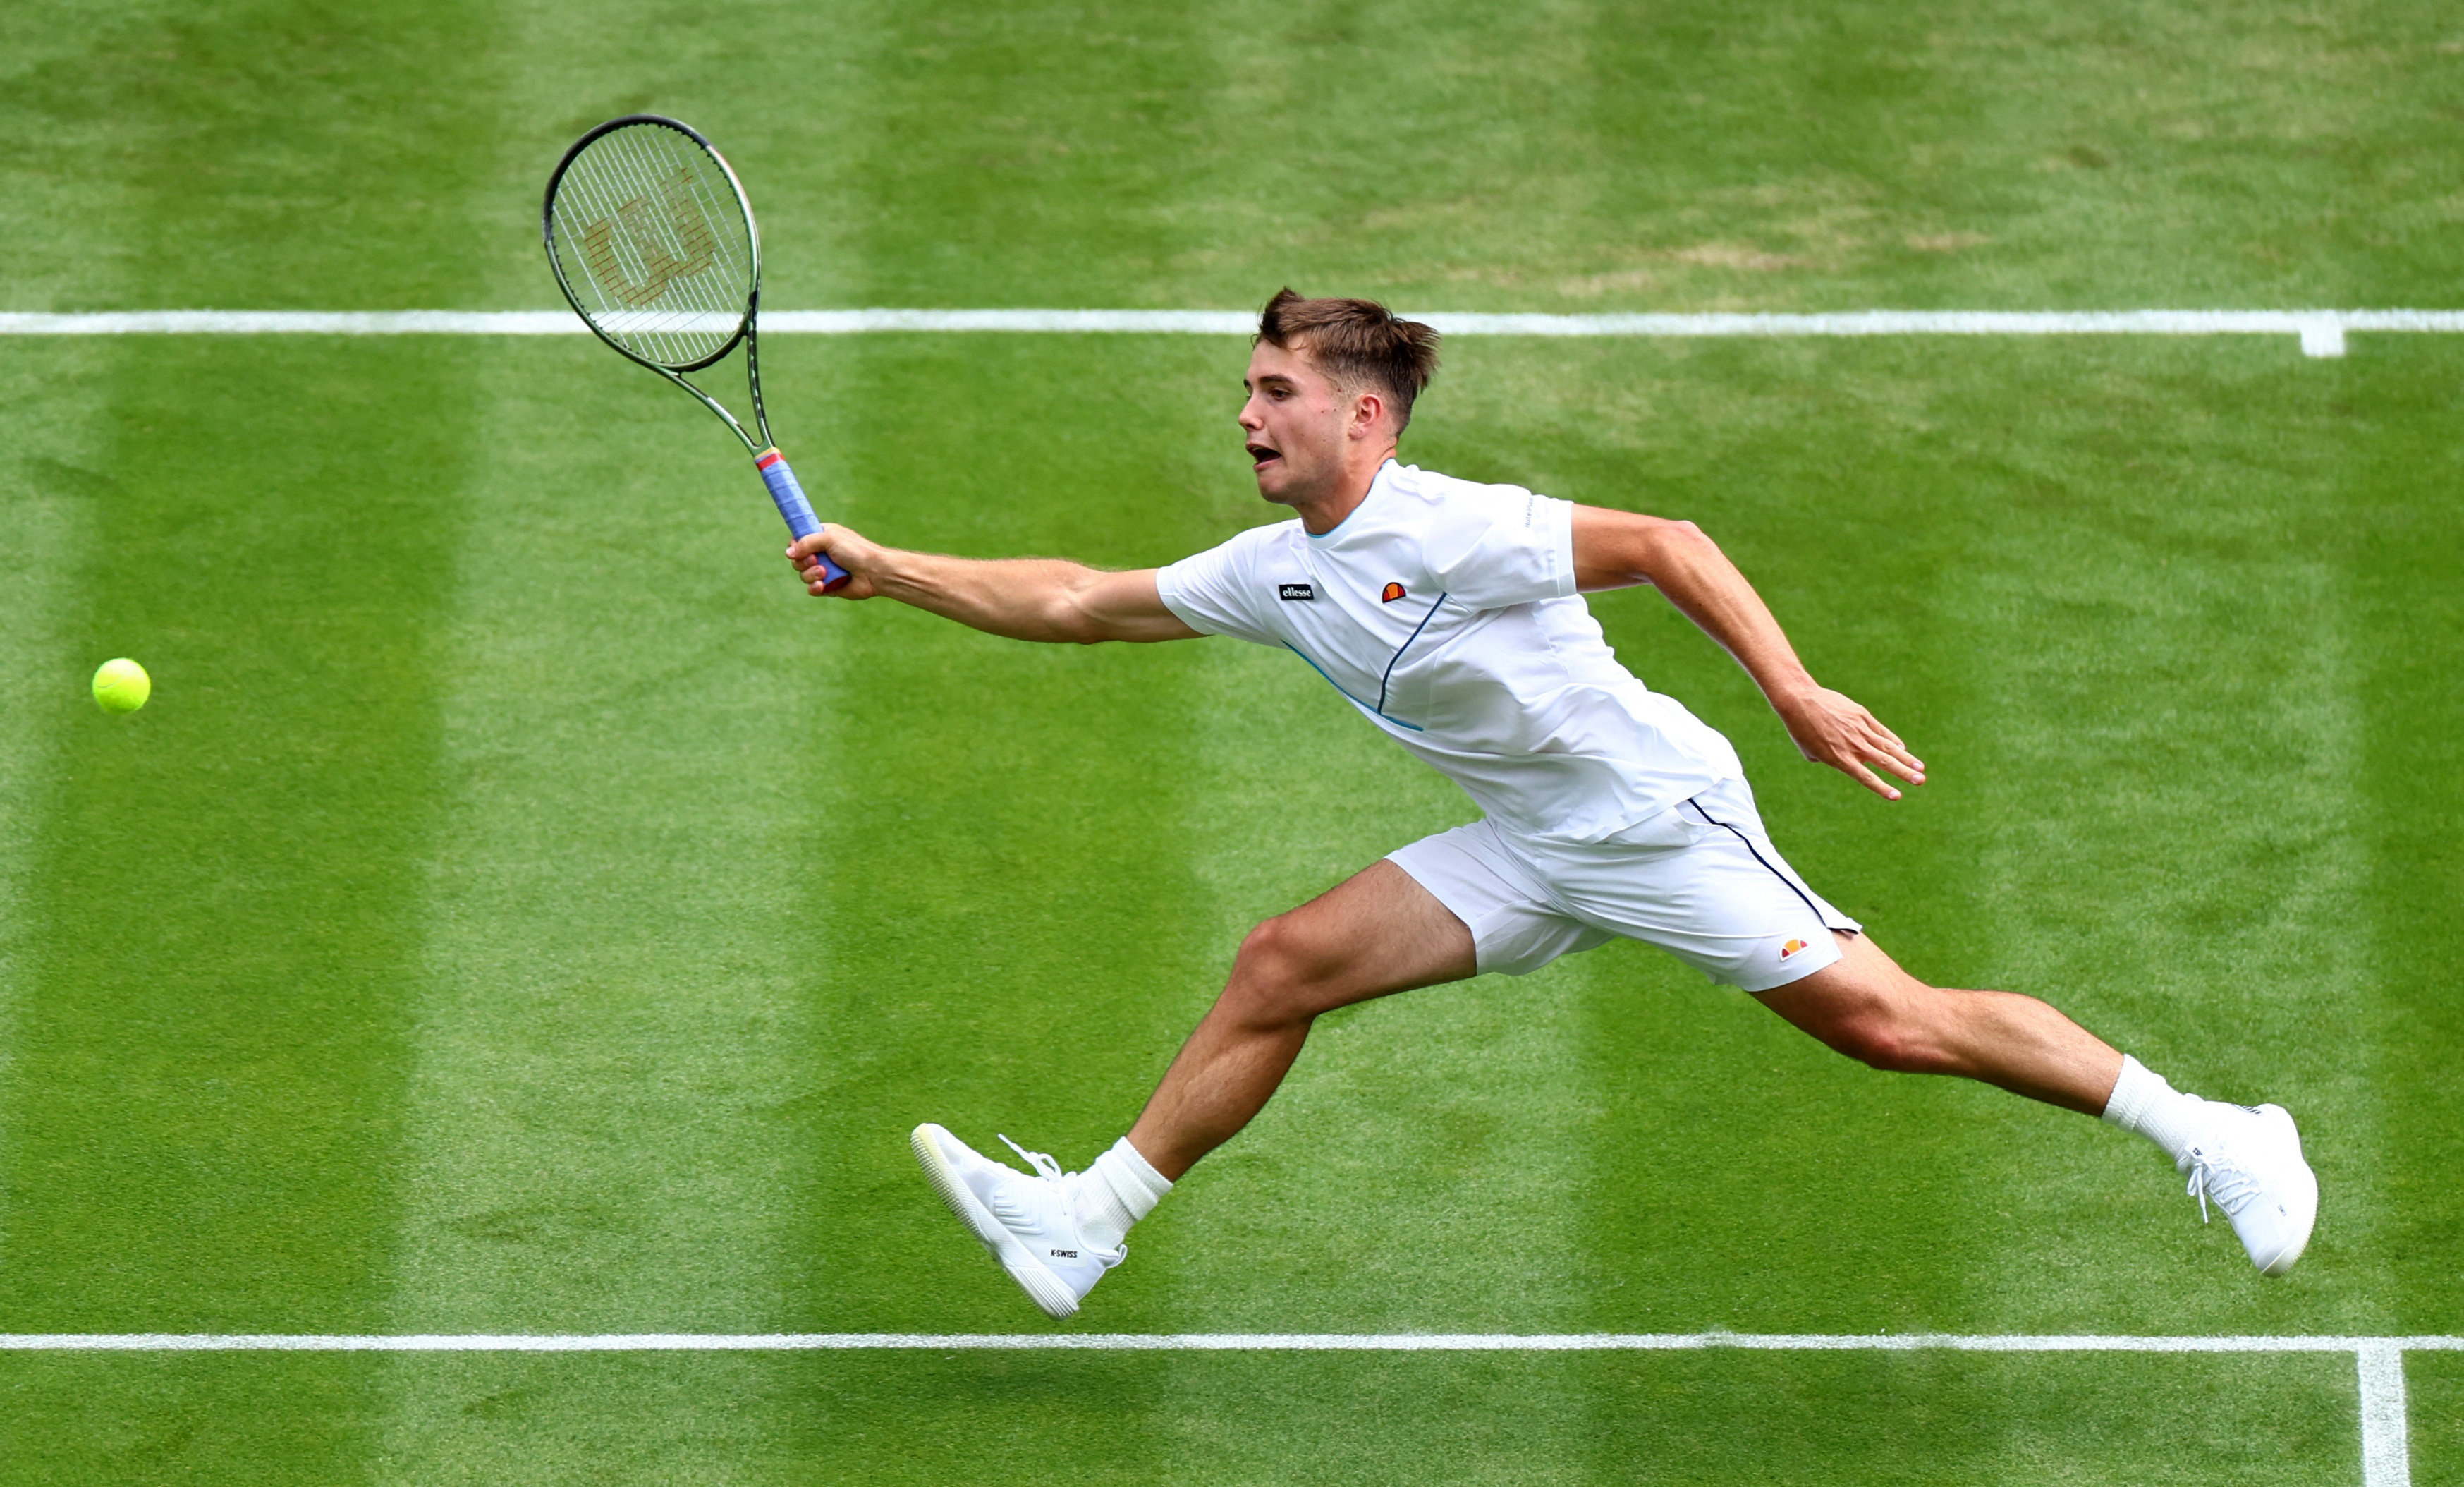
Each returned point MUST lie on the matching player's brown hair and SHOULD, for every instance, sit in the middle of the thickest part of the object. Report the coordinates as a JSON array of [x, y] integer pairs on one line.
[[1358, 342]]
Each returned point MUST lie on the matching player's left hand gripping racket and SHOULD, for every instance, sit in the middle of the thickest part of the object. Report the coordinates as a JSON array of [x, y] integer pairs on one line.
[[653, 243]]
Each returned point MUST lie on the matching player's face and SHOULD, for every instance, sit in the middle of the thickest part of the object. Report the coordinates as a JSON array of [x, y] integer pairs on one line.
[[1295, 423]]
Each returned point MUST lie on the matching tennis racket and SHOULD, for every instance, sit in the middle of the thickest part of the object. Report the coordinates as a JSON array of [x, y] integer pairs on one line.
[[654, 246]]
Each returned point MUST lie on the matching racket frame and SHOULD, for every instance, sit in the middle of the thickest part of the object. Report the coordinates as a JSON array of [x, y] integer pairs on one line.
[[746, 332], [784, 490]]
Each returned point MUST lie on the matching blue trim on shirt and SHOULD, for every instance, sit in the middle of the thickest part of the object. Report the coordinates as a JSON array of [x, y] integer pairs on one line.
[[1348, 696], [1398, 657]]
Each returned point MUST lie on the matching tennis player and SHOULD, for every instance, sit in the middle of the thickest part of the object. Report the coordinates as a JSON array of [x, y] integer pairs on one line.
[[1450, 614]]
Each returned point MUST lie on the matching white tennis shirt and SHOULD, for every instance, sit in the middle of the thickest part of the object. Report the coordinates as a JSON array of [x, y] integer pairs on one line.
[[1445, 611]]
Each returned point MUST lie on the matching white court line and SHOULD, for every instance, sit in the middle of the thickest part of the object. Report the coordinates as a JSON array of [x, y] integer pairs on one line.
[[1196, 1341], [2320, 332], [2385, 1457]]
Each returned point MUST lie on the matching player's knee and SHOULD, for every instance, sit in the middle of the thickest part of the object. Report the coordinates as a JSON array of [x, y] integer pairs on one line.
[[1882, 1048], [1277, 963], [1887, 1037]]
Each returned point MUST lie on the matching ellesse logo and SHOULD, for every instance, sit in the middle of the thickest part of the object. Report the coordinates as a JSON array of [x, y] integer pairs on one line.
[[1791, 948], [1290, 591], [1394, 591]]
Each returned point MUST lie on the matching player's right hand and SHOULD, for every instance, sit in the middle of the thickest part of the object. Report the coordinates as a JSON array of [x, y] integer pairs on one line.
[[1836, 730], [844, 548]]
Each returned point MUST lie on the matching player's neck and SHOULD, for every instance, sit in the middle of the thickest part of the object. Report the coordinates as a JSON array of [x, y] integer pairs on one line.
[[1326, 512]]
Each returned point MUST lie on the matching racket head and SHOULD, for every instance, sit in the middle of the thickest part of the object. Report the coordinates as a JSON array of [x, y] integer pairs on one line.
[[653, 242]]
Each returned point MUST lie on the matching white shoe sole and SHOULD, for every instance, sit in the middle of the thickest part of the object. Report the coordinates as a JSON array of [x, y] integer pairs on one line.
[[2305, 1198], [1033, 1276]]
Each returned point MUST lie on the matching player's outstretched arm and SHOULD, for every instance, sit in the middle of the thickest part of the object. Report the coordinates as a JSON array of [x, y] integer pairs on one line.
[[1618, 550], [1023, 598]]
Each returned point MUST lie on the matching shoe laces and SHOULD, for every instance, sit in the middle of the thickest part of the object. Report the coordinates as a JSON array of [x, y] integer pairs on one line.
[[1045, 1167], [2215, 1173]]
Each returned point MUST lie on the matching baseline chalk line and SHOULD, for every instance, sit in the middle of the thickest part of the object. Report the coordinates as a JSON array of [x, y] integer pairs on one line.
[[2320, 332], [1194, 1342], [2379, 1361]]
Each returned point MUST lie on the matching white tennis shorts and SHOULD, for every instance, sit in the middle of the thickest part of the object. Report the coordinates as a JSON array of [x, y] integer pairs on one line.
[[1701, 881]]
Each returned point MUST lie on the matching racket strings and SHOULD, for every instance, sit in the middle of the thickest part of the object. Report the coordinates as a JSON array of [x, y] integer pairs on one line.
[[648, 252], [651, 224]]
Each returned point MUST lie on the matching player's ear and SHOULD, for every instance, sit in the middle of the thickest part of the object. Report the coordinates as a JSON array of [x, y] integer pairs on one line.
[[1367, 408]]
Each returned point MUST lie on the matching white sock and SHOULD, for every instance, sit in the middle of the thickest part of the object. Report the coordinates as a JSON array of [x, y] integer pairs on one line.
[[1115, 1191], [2141, 1101]]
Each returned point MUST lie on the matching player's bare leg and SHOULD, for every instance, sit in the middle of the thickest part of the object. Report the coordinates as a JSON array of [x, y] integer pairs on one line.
[[2248, 1160], [1377, 932], [1057, 1233], [1866, 1006]]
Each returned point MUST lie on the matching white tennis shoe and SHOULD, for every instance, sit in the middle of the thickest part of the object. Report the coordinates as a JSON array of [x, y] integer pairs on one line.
[[1029, 1223], [2249, 1162]]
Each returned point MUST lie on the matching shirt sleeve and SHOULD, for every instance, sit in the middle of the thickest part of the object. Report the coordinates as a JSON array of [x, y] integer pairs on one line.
[[1501, 546], [1212, 591]]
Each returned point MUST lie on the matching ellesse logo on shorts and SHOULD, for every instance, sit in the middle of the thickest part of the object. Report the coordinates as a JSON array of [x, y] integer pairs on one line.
[[1791, 948], [1289, 591]]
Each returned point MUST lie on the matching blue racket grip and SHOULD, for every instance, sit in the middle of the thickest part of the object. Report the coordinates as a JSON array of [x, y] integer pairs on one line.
[[789, 498]]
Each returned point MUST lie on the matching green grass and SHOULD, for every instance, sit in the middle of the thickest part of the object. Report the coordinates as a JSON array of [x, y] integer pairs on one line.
[[520, 909]]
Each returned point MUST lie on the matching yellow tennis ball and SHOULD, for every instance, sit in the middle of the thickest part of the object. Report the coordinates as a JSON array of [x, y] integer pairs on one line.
[[122, 686]]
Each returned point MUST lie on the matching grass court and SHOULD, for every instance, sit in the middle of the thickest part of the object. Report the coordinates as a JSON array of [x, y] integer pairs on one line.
[[520, 909]]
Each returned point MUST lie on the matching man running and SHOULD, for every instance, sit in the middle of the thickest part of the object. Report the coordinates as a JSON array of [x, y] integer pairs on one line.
[[1450, 615]]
